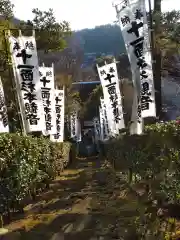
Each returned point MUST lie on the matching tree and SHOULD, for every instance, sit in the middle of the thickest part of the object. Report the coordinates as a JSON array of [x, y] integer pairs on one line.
[[50, 35], [156, 50], [52, 40], [6, 12], [90, 108], [166, 39], [169, 40], [170, 36], [6, 9]]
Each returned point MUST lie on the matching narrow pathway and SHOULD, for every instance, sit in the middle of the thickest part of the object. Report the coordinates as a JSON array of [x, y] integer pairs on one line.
[[85, 202]]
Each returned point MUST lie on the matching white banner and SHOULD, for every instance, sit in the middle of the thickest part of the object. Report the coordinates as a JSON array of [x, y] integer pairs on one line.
[[75, 127], [79, 135], [101, 118], [105, 124], [97, 129], [73, 124], [112, 96], [134, 27], [148, 105], [137, 125], [26, 72], [59, 96], [4, 127], [47, 93]]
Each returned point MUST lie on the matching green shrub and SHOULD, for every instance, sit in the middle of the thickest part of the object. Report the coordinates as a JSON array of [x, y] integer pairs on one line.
[[26, 165], [152, 157]]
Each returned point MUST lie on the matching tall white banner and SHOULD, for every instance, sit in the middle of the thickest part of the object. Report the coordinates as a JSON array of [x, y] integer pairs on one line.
[[79, 135], [73, 124], [112, 96], [137, 124], [134, 27], [97, 129], [101, 118], [47, 93], [59, 96], [144, 63], [4, 126], [75, 127], [26, 72], [105, 130]]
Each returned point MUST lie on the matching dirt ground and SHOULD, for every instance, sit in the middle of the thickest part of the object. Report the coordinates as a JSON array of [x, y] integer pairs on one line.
[[89, 201]]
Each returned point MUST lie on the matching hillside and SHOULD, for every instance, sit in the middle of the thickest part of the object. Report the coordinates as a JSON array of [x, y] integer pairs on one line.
[[83, 48], [105, 39]]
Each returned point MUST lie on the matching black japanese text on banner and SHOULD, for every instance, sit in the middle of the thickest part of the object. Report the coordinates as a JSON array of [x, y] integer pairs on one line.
[[26, 72], [126, 17], [97, 129], [105, 130], [4, 127], [112, 96], [73, 124], [148, 104], [47, 93], [101, 118], [75, 127], [138, 124], [134, 26], [59, 96]]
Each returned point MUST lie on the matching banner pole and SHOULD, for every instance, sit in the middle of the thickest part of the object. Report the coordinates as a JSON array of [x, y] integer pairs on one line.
[[15, 87], [151, 35]]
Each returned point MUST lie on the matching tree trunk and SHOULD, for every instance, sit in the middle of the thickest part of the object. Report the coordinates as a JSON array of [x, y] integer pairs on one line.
[[157, 58]]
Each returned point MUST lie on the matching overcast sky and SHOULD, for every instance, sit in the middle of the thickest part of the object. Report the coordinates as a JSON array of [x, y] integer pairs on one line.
[[80, 13]]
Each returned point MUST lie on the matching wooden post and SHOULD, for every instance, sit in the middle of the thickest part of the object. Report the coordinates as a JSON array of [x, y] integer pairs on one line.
[[157, 58], [16, 87]]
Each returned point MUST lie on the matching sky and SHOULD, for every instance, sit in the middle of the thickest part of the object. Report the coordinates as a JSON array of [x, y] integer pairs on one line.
[[79, 13]]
